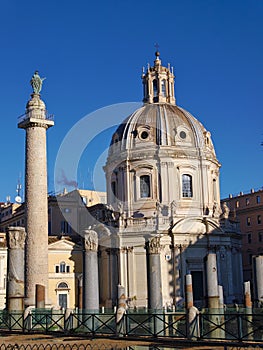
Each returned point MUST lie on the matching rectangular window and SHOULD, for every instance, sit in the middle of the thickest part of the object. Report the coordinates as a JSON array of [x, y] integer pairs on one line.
[[249, 238], [145, 186], [247, 201], [258, 199], [260, 237], [57, 268], [67, 268], [65, 227], [248, 221], [62, 267], [259, 219], [187, 185]]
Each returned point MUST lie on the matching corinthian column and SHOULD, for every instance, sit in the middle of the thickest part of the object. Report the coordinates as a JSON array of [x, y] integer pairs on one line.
[[15, 281], [154, 275], [90, 271]]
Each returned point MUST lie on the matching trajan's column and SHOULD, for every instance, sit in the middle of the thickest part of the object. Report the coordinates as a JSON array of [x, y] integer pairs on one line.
[[36, 121]]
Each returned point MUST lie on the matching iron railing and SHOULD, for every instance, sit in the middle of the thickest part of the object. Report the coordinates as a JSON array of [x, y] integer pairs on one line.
[[231, 326], [37, 115]]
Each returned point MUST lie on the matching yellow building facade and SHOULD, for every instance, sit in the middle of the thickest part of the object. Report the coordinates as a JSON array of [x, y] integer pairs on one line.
[[65, 273]]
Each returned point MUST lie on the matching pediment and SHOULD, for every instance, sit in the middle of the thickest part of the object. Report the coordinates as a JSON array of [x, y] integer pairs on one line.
[[63, 245]]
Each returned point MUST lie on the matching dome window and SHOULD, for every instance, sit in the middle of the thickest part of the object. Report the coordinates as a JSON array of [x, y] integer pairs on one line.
[[163, 87], [144, 135], [187, 189], [145, 186], [155, 88], [182, 134]]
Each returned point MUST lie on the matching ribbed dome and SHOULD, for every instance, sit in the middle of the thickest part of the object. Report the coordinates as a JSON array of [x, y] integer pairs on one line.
[[162, 124]]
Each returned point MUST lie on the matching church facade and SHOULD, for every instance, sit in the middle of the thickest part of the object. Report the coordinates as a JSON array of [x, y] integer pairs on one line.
[[162, 179]]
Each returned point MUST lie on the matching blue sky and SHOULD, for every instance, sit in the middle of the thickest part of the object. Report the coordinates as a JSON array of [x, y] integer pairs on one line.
[[92, 54]]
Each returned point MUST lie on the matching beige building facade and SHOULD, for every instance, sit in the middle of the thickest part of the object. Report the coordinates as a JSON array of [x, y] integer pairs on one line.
[[64, 273]]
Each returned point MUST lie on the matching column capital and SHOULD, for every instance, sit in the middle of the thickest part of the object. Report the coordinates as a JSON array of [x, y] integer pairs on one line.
[[90, 240], [16, 237], [154, 246]]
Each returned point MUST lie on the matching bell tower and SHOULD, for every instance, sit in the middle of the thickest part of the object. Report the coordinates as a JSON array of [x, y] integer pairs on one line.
[[35, 122], [158, 83]]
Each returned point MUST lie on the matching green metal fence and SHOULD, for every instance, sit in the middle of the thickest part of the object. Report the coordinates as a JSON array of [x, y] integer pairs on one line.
[[233, 326]]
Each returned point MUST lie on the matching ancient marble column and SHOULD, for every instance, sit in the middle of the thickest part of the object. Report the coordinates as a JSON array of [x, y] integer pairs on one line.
[[15, 267], [247, 295], [212, 281], [155, 300], [90, 271], [188, 292], [258, 279], [248, 310]]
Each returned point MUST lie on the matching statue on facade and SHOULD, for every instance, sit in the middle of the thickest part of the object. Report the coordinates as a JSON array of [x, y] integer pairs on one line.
[[36, 82], [225, 211], [216, 210]]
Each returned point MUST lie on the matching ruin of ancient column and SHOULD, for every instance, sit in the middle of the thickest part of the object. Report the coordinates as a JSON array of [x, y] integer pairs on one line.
[[15, 269], [90, 271], [155, 301], [212, 281]]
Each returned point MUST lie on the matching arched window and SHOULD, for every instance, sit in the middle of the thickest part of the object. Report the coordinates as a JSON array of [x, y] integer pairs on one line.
[[163, 87], [214, 189], [62, 285], [145, 190], [114, 190], [187, 189], [155, 88], [62, 294]]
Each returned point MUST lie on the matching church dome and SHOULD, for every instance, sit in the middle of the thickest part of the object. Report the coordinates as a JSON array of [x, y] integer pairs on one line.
[[162, 125], [162, 156]]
